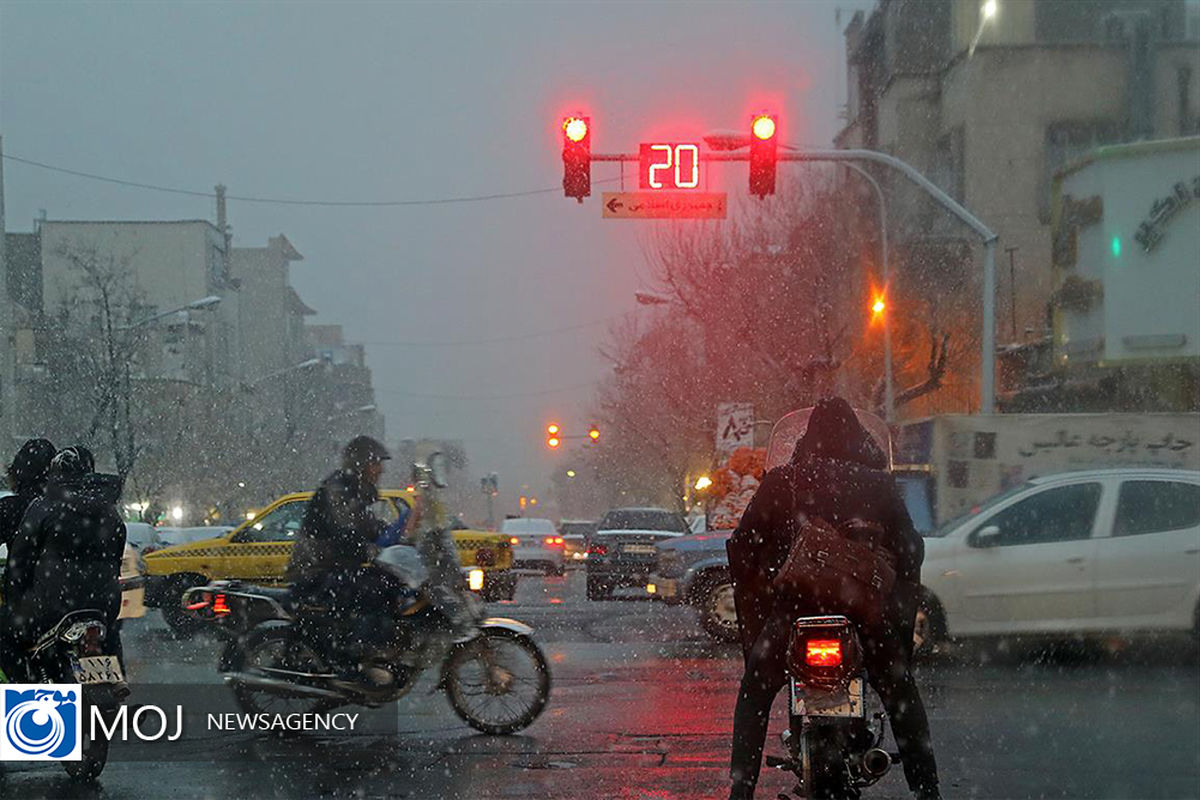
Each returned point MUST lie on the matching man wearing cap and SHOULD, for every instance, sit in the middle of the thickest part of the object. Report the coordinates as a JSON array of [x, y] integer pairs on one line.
[[337, 538]]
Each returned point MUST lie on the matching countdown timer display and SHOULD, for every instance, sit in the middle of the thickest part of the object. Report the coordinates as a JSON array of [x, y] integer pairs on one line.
[[673, 166]]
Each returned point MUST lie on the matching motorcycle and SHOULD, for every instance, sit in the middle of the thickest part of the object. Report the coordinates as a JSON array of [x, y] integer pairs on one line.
[[73, 652], [495, 675], [833, 750]]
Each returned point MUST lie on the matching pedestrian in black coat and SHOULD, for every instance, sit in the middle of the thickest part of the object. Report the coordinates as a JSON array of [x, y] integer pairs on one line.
[[66, 555], [837, 473]]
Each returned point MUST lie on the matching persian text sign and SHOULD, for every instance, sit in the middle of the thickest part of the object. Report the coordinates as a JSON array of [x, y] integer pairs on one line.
[[664, 205], [735, 426]]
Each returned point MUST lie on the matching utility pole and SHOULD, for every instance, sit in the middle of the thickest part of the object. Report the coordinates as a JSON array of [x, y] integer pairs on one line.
[[8, 339]]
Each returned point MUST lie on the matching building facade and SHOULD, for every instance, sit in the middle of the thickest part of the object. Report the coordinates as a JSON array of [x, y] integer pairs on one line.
[[990, 109]]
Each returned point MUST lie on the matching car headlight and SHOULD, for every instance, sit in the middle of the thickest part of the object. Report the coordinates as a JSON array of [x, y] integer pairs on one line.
[[475, 580]]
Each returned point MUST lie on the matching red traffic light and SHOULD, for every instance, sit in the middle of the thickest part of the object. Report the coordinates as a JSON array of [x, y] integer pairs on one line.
[[553, 428], [763, 127], [594, 433], [764, 147], [577, 156], [576, 128]]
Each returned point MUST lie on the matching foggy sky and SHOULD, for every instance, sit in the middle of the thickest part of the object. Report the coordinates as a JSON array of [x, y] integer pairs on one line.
[[407, 101]]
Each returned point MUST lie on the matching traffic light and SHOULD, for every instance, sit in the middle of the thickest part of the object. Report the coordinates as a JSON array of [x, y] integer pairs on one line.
[[878, 307], [594, 433], [577, 157], [553, 436], [764, 145]]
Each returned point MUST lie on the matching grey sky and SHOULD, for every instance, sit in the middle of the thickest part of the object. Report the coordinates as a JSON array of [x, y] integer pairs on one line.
[[403, 100]]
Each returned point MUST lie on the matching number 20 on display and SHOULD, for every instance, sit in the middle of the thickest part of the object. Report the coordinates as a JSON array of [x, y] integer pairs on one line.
[[669, 166]]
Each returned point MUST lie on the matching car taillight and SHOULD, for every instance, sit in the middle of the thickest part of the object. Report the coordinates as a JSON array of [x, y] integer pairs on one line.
[[554, 540], [513, 540], [597, 550], [823, 652]]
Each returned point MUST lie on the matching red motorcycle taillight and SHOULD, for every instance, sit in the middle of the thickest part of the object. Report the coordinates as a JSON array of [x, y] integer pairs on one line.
[[93, 638], [219, 605], [597, 550], [823, 652]]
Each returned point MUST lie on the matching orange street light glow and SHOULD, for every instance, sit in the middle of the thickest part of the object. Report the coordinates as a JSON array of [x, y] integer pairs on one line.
[[878, 306]]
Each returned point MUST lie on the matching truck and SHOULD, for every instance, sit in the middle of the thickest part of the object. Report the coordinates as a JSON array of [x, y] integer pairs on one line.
[[950, 463]]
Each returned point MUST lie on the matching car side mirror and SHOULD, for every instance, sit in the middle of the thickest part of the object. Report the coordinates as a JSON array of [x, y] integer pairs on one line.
[[987, 536]]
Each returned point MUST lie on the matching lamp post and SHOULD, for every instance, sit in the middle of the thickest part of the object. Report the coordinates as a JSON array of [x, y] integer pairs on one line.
[[736, 140], [729, 140]]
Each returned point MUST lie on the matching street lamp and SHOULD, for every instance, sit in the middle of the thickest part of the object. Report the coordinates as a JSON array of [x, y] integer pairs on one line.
[[307, 364], [727, 140], [195, 305], [987, 12]]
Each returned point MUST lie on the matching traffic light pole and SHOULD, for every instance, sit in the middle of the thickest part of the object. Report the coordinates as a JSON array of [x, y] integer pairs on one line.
[[987, 387]]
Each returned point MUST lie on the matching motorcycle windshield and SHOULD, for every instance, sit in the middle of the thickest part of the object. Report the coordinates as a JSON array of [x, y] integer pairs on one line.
[[791, 427]]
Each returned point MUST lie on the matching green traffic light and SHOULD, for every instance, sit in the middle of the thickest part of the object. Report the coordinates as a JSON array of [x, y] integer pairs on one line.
[[1116, 246]]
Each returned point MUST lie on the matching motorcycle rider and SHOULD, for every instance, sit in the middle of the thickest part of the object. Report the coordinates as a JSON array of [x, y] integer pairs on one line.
[[329, 565], [27, 480], [837, 473], [66, 555]]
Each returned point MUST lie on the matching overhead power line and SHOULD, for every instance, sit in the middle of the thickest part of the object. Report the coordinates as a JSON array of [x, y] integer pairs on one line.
[[436, 201]]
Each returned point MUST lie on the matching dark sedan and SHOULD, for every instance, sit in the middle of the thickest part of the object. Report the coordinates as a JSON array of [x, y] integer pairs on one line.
[[622, 551]]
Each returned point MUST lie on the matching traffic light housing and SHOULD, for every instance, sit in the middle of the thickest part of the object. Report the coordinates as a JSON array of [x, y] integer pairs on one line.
[[764, 148], [553, 436], [577, 156]]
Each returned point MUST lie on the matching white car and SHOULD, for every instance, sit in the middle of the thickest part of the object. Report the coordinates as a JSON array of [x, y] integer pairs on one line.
[[1104, 551], [536, 544]]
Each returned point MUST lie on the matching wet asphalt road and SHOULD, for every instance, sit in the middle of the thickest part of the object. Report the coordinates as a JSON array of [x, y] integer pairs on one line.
[[641, 709]]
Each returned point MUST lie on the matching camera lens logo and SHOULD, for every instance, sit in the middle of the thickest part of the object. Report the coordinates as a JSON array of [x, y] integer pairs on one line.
[[41, 723]]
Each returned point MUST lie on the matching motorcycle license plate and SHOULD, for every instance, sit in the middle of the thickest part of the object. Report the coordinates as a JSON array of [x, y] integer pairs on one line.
[[848, 703], [97, 669]]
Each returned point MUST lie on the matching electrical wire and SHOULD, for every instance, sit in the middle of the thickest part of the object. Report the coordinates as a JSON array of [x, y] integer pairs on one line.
[[437, 201]]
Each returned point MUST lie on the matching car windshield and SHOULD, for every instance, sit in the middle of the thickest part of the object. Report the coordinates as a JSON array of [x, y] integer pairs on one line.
[[953, 524], [643, 520]]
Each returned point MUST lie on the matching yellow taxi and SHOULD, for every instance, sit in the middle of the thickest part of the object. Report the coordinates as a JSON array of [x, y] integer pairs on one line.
[[259, 549]]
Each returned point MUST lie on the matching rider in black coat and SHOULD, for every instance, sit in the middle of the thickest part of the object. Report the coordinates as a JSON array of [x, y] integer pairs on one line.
[[26, 480], [837, 473], [66, 556]]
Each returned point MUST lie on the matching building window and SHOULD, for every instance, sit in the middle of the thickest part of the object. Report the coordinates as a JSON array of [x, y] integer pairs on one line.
[[1067, 142]]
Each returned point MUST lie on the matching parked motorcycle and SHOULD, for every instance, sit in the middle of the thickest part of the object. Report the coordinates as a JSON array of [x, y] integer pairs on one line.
[[277, 656], [73, 652]]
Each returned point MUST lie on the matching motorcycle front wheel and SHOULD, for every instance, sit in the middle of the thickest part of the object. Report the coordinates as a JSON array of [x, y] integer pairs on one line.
[[498, 682]]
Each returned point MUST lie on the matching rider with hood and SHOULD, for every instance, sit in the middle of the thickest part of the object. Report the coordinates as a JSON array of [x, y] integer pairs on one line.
[[26, 479], [66, 555], [837, 473]]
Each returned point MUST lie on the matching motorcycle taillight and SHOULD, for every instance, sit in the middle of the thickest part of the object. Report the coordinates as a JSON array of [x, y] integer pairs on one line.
[[93, 639], [823, 652], [219, 606]]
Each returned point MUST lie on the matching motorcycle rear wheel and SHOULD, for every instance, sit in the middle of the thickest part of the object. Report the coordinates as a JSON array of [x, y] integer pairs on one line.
[[275, 646], [93, 755], [823, 765], [498, 665]]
